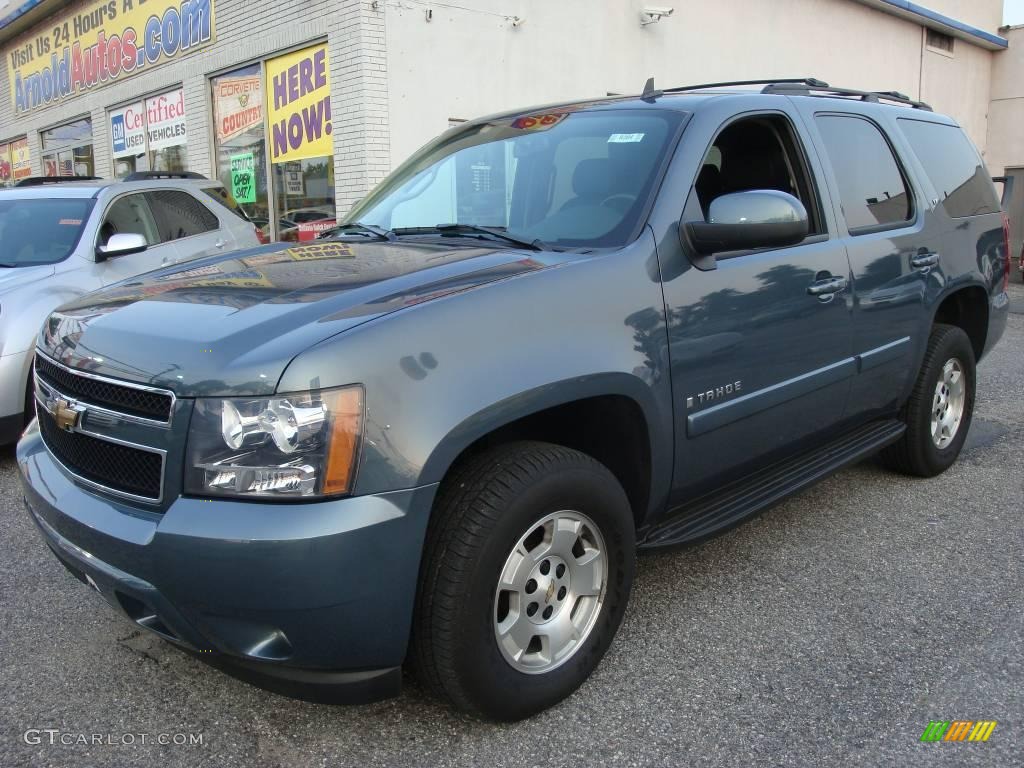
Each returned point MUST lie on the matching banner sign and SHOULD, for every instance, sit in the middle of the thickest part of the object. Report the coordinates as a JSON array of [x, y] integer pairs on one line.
[[237, 104], [165, 120], [21, 161], [308, 230], [299, 90], [128, 131], [243, 177], [6, 172], [100, 42]]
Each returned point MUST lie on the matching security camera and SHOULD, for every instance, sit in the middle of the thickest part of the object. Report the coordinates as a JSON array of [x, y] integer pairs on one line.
[[654, 14]]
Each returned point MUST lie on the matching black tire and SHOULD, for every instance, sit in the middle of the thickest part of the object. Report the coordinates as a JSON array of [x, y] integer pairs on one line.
[[916, 452], [482, 510]]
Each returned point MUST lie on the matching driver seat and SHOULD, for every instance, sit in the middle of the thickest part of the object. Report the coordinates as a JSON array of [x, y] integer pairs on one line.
[[590, 183]]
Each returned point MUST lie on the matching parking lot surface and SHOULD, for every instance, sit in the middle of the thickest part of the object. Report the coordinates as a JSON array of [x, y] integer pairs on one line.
[[828, 631]]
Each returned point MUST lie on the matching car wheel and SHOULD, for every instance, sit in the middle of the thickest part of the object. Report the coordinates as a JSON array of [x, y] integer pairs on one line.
[[527, 570], [938, 414]]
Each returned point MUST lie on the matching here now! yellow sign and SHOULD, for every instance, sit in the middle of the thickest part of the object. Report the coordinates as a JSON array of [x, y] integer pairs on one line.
[[299, 105]]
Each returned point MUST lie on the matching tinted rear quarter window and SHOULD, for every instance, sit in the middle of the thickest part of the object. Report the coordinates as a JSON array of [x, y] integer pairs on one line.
[[953, 166], [871, 186], [220, 194], [179, 215]]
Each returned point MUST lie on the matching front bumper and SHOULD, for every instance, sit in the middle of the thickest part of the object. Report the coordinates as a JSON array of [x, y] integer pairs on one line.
[[313, 600]]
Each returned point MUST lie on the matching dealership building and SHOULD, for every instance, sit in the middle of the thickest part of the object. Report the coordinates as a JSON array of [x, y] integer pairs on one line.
[[300, 106]]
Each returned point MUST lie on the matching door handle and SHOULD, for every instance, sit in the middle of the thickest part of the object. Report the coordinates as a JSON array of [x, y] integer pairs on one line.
[[924, 260], [219, 243], [828, 287]]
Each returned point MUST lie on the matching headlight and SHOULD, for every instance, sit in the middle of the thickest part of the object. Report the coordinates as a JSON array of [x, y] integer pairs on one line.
[[288, 446]]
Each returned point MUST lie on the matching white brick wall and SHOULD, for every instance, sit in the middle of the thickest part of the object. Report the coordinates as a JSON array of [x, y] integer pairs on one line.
[[247, 31]]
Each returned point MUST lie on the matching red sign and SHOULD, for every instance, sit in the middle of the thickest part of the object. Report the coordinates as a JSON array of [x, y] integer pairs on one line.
[[308, 230]]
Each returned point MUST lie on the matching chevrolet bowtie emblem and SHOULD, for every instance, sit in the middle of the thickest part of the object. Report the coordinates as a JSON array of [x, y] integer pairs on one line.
[[65, 413]]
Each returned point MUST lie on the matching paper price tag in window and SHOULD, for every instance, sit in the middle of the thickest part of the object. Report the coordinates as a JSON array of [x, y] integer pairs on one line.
[[625, 138]]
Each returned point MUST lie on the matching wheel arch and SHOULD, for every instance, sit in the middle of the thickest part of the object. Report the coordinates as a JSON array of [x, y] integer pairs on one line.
[[967, 308], [610, 417]]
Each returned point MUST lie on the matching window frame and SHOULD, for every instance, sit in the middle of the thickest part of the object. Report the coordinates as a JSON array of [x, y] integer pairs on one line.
[[912, 193], [797, 145], [106, 212]]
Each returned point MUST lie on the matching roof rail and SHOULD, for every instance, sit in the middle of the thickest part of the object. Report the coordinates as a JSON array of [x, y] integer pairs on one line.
[[823, 89], [792, 86], [38, 181], [146, 175], [810, 82]]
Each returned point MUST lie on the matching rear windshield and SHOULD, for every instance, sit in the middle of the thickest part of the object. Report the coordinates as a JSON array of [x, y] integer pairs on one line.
[[565, 178], [41, 231], [953, 166]]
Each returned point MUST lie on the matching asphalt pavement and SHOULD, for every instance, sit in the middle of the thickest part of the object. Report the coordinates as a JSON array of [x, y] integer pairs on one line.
[[829, 631]]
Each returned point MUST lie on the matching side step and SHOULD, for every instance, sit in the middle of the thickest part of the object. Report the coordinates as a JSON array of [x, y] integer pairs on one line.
[[735, 501]]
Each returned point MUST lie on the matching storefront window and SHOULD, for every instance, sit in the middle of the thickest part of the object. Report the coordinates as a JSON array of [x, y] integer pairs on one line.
[[167, 132], [301, 145], [67, 149], [149, 135], [241, 143], [304, 192], [128, 139]]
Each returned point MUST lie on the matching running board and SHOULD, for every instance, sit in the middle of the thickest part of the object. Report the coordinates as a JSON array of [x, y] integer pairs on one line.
[[736, 501]]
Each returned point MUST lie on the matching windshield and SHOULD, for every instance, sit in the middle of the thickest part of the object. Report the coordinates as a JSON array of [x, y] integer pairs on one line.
[[564, 178], [40, 231]]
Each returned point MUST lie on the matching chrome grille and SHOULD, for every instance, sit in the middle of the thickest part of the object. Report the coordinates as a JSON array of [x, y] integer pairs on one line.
[[95, 429], [146, 403], [115, 466]]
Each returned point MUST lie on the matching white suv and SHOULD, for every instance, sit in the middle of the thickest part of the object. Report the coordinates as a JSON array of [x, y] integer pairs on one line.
[[61, 238]]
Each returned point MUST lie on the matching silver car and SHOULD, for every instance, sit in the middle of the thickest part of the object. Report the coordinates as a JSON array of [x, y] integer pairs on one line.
[[60, 239]]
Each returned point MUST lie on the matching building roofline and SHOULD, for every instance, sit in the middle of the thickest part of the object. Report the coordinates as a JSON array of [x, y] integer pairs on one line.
[[26, 14], [926, 17]]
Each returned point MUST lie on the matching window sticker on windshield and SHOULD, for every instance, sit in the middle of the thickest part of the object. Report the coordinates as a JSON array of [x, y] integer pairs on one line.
[[625, 138], [70, 222]]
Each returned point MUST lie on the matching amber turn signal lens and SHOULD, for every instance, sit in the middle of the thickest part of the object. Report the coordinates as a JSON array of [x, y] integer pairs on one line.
[[346, 409]]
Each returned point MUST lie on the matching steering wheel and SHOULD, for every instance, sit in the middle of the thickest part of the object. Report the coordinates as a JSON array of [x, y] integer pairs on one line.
[[620, 202]]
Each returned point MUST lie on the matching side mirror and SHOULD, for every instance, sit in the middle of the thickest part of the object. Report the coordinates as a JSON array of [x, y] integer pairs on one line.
[[121, 245], [760, 218]]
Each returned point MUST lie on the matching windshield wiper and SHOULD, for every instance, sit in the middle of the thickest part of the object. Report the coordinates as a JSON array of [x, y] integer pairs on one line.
[[373, 229], [497, 233], [10, 264]]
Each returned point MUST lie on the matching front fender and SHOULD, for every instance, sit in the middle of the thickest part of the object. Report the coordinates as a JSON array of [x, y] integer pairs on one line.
[[438, 376]]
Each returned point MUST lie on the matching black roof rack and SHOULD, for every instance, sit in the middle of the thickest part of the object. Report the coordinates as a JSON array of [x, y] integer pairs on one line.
[[146, 175], [826, 90], [38, 181], [792, 86], [807, 81]]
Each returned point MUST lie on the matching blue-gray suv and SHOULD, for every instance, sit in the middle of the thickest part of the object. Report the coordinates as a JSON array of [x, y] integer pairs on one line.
[[438, 436]]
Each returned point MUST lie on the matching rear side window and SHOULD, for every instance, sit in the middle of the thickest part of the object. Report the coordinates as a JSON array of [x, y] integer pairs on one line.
[[220, 194], [953, 166], [179, 215], [871, 187]]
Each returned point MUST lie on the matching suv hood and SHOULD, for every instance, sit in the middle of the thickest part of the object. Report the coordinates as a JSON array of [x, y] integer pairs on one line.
[[13, 277], [230, 324]]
